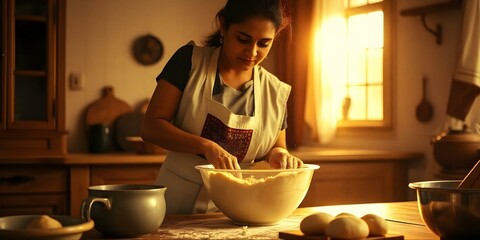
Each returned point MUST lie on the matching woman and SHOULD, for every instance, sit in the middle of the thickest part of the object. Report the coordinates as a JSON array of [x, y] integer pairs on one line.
[[214, 104]]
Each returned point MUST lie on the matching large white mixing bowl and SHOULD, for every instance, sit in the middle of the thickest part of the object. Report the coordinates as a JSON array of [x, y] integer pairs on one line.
[[257, 196]]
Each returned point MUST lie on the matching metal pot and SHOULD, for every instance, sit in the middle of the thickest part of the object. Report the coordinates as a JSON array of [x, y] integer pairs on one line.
[[456, 149], [125, 210]]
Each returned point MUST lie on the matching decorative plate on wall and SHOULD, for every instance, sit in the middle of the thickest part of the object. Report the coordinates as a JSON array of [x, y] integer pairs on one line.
[[147, 49]]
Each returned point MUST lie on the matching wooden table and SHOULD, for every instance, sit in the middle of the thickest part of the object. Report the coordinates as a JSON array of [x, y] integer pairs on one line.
[[403, 219]]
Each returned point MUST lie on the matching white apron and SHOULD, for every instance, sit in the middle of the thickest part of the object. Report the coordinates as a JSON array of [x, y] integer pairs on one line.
[[246, 137]]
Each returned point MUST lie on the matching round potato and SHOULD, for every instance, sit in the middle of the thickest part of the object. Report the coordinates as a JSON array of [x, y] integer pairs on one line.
[[315, 224], [346, 227], [43, 222], [376, 224]]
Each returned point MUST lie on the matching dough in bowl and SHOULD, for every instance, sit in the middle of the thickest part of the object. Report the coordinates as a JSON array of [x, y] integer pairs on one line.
[[264, 201], [43, 222], [262, 165]]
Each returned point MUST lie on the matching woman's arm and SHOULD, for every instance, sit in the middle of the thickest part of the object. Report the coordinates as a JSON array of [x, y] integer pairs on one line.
[[157, 128], [279, 157]]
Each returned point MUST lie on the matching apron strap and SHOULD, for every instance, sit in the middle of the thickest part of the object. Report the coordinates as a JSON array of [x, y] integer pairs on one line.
[[203, 204]]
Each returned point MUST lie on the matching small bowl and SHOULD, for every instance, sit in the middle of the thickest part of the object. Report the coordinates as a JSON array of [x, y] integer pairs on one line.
[[257, 196], [13, 227], [448, 211], [141, 147]]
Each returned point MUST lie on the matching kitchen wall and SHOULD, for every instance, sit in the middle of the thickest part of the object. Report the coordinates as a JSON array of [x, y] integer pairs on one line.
[[99, 39], [99, 35]]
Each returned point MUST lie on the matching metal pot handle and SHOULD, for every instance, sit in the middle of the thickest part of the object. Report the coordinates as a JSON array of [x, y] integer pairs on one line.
[[438, 136], [87, 206]]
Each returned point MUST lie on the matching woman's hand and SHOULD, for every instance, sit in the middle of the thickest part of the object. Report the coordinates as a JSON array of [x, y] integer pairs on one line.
[[220, 158], [279, 157]]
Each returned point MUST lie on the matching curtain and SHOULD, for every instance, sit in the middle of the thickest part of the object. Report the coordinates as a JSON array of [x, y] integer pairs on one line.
[[312, 60], [293, 50], [327, 71], [465, 86]]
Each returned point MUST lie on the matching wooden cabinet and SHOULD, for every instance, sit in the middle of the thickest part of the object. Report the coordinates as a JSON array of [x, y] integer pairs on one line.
[[124, 174], [32, 91], [33, 189], [59, 184], [357, 176], [83, 176], [99, 169], [344, 182]]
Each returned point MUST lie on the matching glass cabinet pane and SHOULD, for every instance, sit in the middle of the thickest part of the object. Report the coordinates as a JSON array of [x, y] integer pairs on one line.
[[31, 8], [2, 63], [30, 83], [30, 45], [30, 99]]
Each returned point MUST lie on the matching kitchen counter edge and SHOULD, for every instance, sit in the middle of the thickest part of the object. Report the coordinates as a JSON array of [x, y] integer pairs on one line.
[[308, 155]]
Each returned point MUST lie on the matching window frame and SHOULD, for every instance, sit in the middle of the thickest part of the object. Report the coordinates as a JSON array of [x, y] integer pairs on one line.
[[386, 123]]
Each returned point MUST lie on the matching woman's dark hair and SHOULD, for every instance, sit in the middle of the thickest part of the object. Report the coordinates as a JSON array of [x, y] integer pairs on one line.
[[238, 11]]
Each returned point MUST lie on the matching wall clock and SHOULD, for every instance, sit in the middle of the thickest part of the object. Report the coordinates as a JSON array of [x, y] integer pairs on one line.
[[147, 49]]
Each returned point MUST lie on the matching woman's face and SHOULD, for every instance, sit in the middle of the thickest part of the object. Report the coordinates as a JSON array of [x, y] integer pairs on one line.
[[246, 44]]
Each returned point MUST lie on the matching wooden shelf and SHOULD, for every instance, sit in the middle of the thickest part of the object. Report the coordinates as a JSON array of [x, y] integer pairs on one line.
[[433, 8], [422, 11]]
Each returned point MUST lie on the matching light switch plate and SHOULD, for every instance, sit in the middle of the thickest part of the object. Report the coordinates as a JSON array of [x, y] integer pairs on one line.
[[77, 81]]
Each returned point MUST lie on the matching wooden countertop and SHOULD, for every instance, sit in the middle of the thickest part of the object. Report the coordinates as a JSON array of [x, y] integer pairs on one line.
[[86, 159], [307, 154], [403, 219]]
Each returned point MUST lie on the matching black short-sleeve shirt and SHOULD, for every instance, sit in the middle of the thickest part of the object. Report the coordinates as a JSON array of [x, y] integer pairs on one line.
[[177, 69]]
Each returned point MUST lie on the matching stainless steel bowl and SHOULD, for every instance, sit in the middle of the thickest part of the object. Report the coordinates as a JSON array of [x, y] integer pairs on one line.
[[449, 212]]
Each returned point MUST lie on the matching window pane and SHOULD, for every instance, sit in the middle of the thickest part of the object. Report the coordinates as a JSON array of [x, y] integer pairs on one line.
[[357, 35], [365, 52], [375, 66], [357, 67], [373, 29], [375, 102], [358, 104], [356, 3]]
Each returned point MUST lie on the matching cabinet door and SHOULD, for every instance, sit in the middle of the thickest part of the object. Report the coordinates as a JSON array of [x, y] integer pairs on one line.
[[33, 204], [357, 182], [31, 64], [124, 174], [3, 64], [33, 189]]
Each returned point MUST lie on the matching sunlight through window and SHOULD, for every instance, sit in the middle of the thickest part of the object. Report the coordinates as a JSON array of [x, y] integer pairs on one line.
[[364, 87]]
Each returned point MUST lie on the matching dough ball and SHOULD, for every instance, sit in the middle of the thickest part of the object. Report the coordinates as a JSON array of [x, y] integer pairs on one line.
[[376, 224], [261, 165], [345, 214], [315, 224], [43, 222], [345, 227]]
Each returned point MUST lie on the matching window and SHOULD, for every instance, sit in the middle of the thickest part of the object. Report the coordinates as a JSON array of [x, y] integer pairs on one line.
[[366, 102]]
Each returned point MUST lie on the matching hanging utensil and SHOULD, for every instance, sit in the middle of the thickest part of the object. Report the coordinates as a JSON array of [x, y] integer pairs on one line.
[[424, 111], [347, 101]]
